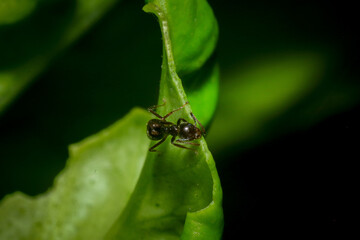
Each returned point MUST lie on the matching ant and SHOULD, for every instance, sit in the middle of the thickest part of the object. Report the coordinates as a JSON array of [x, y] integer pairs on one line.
[[160, 129]]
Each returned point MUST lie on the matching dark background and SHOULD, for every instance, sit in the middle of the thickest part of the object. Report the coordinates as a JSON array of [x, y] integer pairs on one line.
[[307, 177], [298, 177]]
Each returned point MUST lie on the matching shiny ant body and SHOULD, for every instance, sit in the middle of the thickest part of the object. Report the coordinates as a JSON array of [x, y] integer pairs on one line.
[[160, 129]]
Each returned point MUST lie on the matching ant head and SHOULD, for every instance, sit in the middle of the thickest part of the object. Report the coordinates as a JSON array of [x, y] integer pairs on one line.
[[197, 133], [155, 130]]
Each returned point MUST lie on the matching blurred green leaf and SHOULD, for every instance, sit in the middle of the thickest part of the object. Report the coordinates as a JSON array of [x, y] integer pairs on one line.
[[260, 91], [28, 47], [280, 93], [12, 11]]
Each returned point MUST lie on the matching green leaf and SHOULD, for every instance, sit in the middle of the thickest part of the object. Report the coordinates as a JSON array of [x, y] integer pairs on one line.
[[177, 186], [89, 194], [259, 92], [26, 49], [189, 31]]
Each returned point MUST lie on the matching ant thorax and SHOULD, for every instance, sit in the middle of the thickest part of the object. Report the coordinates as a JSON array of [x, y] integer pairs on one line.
[[160, 129], [173, 130]]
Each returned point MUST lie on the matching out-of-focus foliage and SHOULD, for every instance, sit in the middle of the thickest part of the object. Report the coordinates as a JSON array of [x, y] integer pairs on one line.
[[261, 91], [28, 46], [265, 98], [280, 72], [12, 11]]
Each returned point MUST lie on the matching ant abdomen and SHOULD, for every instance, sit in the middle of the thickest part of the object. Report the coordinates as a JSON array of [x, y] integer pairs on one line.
[[188, 131]]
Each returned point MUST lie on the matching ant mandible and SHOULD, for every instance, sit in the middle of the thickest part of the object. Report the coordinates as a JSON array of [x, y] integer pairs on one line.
[[160, 129]]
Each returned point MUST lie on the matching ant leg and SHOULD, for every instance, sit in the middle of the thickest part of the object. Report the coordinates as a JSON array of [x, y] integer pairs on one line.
[[167, 115], [157, 144], [178, 145], [186, 142], [197, 121], [151, 109], [153, 112]]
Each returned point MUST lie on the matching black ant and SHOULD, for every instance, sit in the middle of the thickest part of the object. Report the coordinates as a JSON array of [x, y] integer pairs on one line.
[[160, 129]]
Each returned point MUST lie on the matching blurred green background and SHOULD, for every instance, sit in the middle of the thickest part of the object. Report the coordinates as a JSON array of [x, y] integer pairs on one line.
[[284, 136]]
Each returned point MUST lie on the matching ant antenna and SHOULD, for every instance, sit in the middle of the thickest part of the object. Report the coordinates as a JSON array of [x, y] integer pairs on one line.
[[167, 115], [151, 109], [197, 121]]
